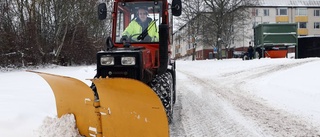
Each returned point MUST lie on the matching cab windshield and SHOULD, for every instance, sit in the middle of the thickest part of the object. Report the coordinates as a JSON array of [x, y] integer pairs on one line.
[[138, 22]]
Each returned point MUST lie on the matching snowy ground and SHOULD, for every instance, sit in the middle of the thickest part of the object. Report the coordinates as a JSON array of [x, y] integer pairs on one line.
[[266, 97]]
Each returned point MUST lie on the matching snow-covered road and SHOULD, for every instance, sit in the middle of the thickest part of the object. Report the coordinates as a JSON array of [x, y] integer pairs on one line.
[[222, 104], [215, 98]]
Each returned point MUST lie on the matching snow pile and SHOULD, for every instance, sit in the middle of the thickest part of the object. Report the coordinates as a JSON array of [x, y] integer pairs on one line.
[[58, 127]]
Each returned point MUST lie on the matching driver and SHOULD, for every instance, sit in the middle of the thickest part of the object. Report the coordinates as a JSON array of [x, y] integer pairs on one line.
[[135, 27]]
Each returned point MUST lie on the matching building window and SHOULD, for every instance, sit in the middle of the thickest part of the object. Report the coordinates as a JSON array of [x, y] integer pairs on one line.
[[265, 12], [257, 12], [254, 12], [301, 11], [282, 11], [317, 13], [302, 25], [317, 25]]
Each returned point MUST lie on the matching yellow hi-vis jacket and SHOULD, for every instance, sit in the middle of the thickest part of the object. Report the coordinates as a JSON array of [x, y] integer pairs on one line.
[[134, 29]]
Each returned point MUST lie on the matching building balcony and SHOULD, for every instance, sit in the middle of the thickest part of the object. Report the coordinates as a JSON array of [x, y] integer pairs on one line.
[[301, 19], [190, 51], [178, 55], [282, 18], [302, 31]]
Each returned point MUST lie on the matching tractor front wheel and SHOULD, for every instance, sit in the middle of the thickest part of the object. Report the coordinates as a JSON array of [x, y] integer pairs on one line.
[[163, 86]]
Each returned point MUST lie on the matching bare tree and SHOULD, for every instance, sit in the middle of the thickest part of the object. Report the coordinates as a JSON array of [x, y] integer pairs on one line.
[[191, 9], [79, 30], [218, 19], [9, 49], [45, 31], [226, 15]]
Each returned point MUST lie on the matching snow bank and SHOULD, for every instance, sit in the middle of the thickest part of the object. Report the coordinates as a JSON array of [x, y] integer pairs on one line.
[[63, 127]]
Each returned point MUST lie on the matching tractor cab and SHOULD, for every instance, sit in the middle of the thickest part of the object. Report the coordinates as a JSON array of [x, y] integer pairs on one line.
[[136, 20], [157, 14]]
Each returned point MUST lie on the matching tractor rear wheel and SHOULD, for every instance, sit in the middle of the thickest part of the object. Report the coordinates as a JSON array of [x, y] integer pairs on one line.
[[163, 86]]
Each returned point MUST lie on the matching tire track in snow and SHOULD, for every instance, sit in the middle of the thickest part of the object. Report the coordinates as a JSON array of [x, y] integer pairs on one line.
[[266, 120], [176, 127], [265, 70], [204, 114], [275, 122]]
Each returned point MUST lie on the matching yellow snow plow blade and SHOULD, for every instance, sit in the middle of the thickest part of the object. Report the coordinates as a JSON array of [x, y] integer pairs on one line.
[[126, 107], [74, 97], [129, 108]]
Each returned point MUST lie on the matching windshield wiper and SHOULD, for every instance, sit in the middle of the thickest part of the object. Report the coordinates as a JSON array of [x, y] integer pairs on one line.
[[145, 31]]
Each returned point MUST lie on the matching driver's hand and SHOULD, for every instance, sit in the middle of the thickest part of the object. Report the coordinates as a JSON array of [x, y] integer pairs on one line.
[[124, 38], [147, 39]]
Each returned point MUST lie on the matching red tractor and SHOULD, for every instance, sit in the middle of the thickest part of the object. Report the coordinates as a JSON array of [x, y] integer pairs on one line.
[[134, 88], [136, 58]]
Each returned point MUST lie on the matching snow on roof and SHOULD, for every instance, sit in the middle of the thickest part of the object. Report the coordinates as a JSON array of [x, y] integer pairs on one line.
[[289, 3]]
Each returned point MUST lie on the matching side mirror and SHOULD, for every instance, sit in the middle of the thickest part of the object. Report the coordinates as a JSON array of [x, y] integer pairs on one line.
[[102, 11], [109, 43], [176, 7]]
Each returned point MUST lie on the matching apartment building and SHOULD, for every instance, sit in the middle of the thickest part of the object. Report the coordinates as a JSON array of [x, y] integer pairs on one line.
[[306, 13]]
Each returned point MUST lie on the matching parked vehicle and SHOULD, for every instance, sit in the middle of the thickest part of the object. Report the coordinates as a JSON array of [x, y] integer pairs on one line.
[[274, 39]]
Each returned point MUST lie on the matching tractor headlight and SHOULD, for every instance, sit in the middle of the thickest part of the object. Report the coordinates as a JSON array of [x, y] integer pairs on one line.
[[128, 61], [107, 60]]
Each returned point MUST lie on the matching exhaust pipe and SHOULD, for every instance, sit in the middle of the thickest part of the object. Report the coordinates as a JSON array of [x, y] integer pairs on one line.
[[163, 48]]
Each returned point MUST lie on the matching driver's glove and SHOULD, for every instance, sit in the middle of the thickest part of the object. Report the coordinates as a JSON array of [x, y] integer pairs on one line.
[[124, 38], [147, 39]]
